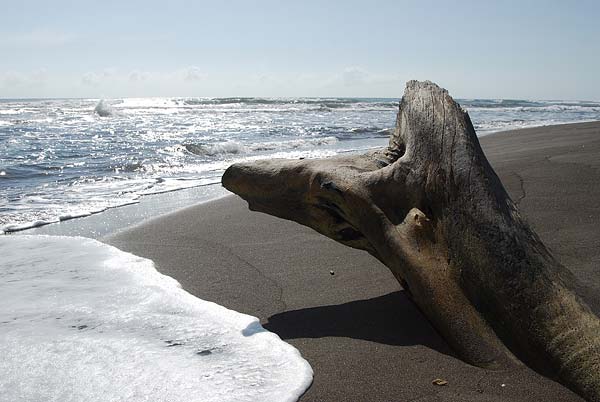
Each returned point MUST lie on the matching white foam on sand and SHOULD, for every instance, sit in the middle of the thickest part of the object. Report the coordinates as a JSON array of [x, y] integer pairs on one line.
[[84, 321]]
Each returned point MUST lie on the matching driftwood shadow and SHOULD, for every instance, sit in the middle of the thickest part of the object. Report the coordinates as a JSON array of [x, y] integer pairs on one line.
[[390, 319]]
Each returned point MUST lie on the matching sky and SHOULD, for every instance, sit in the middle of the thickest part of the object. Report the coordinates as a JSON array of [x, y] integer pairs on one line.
[[475, 49]]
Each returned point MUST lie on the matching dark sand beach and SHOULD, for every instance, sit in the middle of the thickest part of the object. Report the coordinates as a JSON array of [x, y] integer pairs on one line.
[[364, 339]]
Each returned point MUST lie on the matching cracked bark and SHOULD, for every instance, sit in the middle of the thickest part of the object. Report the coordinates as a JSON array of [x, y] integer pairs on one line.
[[435, 213]]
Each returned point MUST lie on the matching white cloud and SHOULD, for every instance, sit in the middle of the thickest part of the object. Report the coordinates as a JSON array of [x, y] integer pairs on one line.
[[353, 76], [90, 78], [13, 78], [136, 76], [109, 72], [193, 73], [169, 79], [192, 81], [113, 82], [34, 78], [39, 75], [95, 78]]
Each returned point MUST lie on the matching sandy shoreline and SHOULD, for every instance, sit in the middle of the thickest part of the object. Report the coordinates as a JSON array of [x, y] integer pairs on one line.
[[363, 337]]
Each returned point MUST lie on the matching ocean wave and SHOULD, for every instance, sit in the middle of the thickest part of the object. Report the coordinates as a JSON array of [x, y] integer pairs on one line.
[[89, 196], [486, 128], [11, 111], [551, 109], [233, 147], [355, 133], [28, 169], [371, 130], [230, 101], [250, 105], [130, 167], [500, 105], [167, 185], [325, 103], [330, 102], [103, 109], [293, 144], [228, 147]]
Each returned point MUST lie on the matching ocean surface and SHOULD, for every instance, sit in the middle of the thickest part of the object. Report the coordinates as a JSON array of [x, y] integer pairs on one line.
[[67, 158]]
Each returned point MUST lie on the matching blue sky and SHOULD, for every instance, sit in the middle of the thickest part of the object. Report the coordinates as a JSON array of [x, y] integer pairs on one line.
[[504, 49]]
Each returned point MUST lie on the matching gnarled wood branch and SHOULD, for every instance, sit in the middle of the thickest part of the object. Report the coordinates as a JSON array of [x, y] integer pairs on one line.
[[432, 209]]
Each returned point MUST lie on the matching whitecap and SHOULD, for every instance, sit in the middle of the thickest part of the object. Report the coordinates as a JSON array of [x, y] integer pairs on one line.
[[227, 147], [103, 109]]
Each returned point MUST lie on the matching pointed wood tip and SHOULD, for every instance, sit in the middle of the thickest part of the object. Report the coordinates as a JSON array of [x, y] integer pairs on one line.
[[414, 85]]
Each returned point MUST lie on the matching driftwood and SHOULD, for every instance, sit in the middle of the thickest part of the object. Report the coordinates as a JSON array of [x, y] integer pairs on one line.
[[431, 208]]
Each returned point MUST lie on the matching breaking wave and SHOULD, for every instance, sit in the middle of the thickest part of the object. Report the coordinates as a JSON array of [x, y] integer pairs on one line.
[[103, 109], [229, 147], [233, 147]]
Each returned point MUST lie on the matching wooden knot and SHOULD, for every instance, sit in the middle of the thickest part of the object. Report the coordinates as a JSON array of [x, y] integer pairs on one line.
[[419, 219], [418, 227]]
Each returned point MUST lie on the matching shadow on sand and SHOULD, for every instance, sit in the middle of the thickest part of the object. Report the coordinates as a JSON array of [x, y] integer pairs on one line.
[[390, 319]]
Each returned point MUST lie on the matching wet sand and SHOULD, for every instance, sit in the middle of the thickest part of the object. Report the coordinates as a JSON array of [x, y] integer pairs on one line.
[[364, 339]]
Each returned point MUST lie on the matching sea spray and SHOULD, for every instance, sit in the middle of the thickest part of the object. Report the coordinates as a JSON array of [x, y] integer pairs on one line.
[[103, 109]]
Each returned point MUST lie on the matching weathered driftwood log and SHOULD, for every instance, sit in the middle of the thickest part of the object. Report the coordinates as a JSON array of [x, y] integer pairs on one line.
[[431, 208]]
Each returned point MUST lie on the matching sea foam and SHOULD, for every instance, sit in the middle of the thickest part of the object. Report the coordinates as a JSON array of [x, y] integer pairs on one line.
[[84, 321]]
